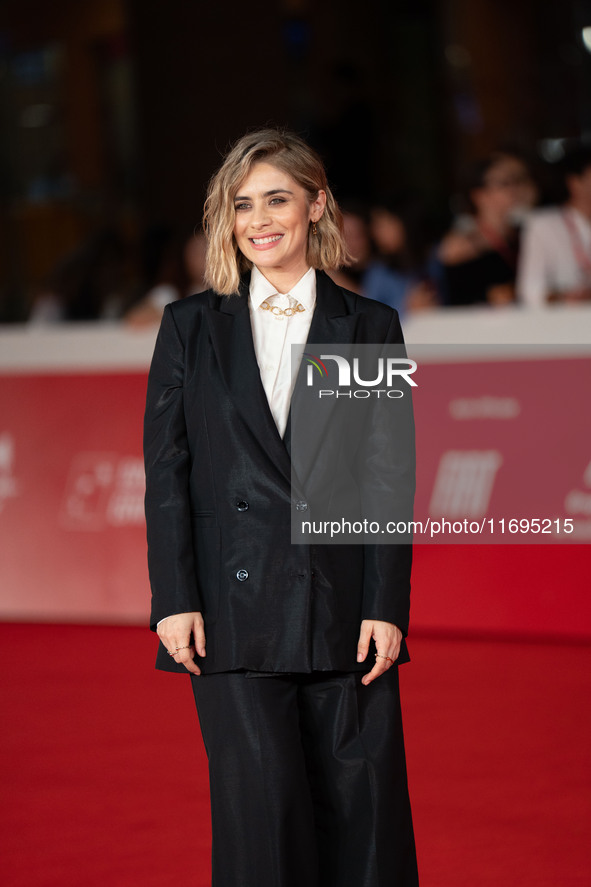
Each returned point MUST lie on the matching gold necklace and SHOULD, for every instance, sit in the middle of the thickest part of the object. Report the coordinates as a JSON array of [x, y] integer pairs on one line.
[[277, 311]]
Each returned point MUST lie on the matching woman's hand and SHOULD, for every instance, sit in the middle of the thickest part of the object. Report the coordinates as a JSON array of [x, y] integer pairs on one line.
[[175, 634], [387, 639]]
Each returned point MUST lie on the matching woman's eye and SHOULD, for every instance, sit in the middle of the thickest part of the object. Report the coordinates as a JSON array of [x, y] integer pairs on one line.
[[239, 206], [277, 200]]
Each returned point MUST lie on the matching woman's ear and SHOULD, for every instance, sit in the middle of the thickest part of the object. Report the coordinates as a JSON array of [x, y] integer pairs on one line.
[[317, 206]]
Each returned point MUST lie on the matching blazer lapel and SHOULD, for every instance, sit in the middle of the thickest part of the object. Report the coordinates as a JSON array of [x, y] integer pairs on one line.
[[231, 335], [332, 324]]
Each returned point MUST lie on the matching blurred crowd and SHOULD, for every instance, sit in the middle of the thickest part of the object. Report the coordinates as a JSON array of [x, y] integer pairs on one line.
[[501, 247], [108, 278]]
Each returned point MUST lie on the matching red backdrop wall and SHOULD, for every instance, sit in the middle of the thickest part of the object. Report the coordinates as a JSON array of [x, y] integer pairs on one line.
[[72, 541]]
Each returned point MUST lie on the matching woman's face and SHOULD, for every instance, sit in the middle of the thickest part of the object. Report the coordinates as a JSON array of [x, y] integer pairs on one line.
[[507, 187], [388, 231], [273, 215]]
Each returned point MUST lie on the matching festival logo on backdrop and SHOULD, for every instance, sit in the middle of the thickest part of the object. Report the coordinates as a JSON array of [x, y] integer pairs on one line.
[[9, 486], [577, 504], [464, 483], [103, 490]]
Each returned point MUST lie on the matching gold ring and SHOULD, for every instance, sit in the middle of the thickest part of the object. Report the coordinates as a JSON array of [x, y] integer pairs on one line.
[[379, 656]]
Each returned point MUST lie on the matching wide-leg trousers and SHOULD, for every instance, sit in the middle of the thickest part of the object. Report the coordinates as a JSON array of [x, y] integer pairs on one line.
[[308, 780]]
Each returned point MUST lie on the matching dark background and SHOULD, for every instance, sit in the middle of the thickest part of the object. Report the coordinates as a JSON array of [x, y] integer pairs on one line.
[[116, 112]]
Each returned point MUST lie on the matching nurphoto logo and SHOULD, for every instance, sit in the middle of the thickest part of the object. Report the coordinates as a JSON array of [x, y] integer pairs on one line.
[[387, 372]]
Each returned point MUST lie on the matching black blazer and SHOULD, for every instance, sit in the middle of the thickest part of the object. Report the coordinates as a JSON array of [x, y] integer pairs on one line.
[[219, 499]]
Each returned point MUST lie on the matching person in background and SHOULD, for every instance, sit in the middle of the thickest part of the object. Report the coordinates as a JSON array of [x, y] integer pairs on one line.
[[555, 258], [88, 284], [356, 235], [479, 255], [194, 256], [172, 272], [396, 274], [383, 266]]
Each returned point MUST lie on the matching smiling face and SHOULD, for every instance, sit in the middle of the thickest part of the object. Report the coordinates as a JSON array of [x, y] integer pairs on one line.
[[507, 187], [273, 216]]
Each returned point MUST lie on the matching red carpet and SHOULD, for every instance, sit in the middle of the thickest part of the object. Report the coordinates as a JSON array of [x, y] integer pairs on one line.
[[103, 773]]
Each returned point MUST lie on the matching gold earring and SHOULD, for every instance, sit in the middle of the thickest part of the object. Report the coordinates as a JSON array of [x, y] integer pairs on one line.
[[314, 229]]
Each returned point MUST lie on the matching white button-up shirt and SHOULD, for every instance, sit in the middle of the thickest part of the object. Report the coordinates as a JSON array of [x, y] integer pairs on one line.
[[273, 336], [548, 260]]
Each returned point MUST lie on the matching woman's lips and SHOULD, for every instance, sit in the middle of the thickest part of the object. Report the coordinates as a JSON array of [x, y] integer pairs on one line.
[[266, 242]]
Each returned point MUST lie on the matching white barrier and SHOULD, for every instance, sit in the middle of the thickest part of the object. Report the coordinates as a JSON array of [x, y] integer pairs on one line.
[[113, 346]]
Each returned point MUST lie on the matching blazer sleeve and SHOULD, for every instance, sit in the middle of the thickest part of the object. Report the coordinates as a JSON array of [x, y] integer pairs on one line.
[[388, 468], [167, 461]]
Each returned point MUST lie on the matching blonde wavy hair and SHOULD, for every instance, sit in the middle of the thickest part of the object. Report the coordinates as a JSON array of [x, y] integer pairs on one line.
[[288, 152]]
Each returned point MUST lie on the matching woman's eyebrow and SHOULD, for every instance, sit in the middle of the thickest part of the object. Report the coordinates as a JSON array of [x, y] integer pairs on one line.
[[267, 193]]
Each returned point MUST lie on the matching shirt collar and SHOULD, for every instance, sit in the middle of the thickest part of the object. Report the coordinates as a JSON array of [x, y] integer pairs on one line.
[[304, 291]]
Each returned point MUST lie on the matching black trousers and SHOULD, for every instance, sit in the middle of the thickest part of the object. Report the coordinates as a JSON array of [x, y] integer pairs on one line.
[[308, 780]]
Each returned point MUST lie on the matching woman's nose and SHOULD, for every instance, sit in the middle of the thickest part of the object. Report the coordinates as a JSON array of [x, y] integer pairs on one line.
[[260, 217]]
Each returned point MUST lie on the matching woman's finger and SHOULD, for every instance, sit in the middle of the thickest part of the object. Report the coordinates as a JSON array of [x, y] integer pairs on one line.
[[379, 668], [199, 635], [364, 639], [184, 656]]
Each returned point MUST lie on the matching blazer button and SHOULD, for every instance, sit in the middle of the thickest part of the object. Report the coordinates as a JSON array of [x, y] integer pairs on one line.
[[301, 506], [242, 505], [242, 575]]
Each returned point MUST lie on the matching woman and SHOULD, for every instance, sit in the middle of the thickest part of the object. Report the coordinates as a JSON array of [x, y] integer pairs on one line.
[[479, 258], [397, 276], [304, 738]]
